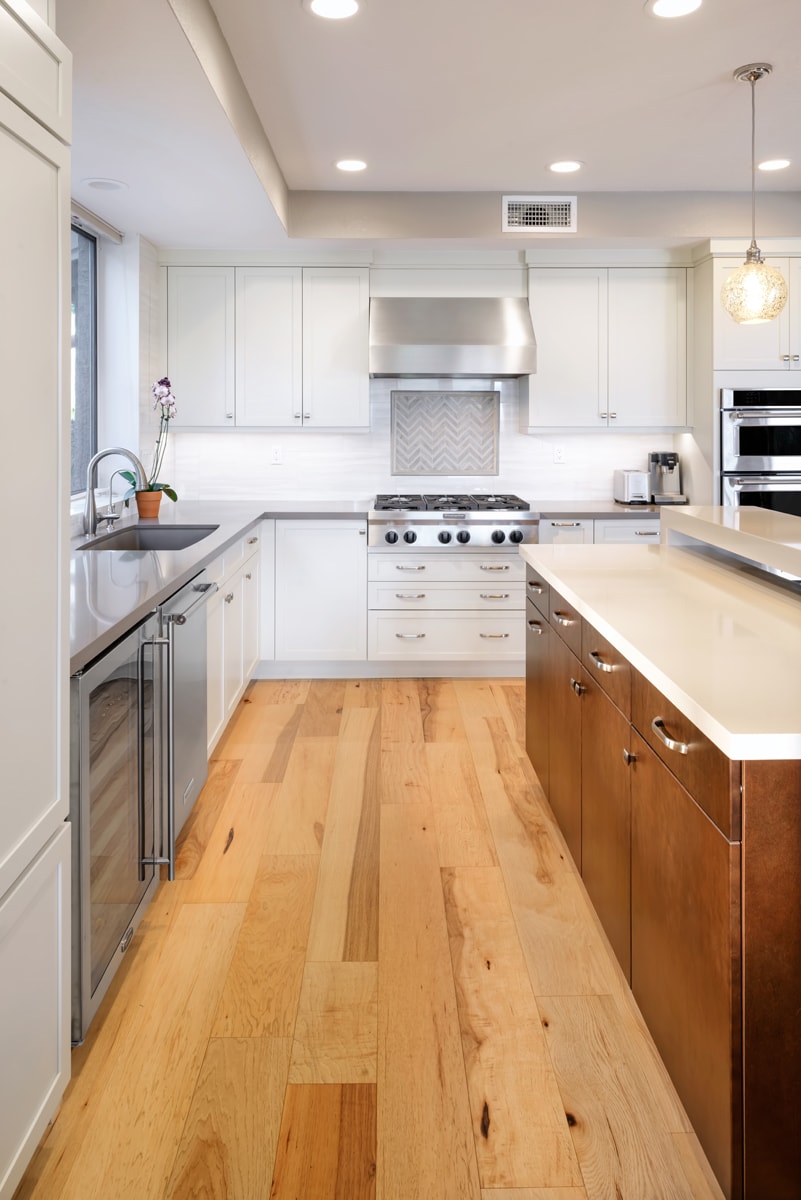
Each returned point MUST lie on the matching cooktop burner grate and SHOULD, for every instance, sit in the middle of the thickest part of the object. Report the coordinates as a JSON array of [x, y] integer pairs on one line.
[[451, 502]]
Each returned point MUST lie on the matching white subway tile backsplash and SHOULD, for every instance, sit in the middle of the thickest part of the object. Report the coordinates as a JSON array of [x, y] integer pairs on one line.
[[330, 466]]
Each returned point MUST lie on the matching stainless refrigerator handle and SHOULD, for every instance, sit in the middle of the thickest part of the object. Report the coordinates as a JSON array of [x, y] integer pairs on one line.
[[167, 861], [206, 590]]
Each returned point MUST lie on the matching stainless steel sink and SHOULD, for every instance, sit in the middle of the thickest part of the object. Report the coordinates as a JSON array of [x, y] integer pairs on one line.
[[151, 537]]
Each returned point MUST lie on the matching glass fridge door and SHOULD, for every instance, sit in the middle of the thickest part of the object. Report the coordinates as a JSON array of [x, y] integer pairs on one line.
[[113, 793]]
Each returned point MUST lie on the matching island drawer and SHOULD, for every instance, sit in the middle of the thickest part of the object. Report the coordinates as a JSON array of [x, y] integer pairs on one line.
[[607, 666], [711, 778], [566, 621], [537, 590]]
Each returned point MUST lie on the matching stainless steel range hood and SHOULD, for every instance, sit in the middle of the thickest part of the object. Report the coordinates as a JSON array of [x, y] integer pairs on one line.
[[433, 337]]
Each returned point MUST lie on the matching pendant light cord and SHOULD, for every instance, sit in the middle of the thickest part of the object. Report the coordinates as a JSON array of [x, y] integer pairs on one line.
[[753, 162]]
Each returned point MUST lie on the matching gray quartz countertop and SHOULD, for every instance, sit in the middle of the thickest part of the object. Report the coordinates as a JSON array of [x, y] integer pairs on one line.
[[112, 590], [588, 510]]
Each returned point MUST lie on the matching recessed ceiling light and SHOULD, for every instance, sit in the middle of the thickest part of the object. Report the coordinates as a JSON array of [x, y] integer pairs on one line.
[[105, 185], [334, 10], [565, 167], [351, 164], [774, 164], [672, 8]]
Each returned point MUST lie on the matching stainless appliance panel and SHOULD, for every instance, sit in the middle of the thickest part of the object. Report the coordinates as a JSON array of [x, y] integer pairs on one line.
[[760, 440], [780, 493]]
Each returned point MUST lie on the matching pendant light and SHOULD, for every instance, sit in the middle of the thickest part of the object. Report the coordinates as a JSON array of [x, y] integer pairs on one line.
[[755, 292]]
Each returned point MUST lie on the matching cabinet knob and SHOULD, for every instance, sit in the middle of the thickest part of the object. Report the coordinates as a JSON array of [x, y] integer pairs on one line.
[[229, 597], [252, 541], [628, 757], [603, 415], [229, 416], [307, 416], [296, 416], [612, 416], [577, 687], [248, 576]]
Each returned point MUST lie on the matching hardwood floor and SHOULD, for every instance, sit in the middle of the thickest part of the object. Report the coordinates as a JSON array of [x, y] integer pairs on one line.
[[387, 985]]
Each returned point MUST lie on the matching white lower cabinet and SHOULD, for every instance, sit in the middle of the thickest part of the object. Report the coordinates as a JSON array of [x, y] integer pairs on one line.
[[565, 529], [320, 590], [34, 1004], [446, 607], [584, 530], [232, 631], [629, 531]]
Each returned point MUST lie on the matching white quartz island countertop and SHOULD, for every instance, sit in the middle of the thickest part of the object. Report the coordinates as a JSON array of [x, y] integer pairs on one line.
[[720, 638]]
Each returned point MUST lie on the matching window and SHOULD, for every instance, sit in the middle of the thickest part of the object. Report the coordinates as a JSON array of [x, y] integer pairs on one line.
[[83, 357]]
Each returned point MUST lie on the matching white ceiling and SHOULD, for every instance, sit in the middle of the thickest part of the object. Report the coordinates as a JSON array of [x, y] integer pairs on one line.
[[439, 96]]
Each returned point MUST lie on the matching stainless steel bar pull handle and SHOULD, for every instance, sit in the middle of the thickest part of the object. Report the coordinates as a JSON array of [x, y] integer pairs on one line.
[[535, 587], [494, 566], [413, 636], [493, 635], [561, 619], [564, 524], [167, 860], [646, 533], [206, 590], [410, 595], [599, 664], [535, 627], [403, 567], [658, 726], [494, 595]]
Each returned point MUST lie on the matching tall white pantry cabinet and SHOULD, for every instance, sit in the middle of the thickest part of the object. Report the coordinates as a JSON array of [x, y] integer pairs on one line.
[[35, 87]]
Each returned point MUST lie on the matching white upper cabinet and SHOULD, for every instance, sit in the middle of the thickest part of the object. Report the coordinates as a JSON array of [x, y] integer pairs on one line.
[[336, 380], [611, 348], [569, 314], [647, 346], [269, 347], [200, 343], [772, 346]]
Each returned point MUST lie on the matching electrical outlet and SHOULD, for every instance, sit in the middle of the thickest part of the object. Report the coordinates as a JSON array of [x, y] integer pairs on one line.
[[276, 456], [559, 454]]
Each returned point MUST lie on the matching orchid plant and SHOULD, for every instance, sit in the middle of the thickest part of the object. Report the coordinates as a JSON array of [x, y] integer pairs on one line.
[[164, 401]]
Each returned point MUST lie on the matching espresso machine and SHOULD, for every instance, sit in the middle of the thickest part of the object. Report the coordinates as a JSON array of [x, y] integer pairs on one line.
[[664, 478]]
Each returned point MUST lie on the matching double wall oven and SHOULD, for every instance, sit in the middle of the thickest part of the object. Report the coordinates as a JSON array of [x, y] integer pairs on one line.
[[760, 448]]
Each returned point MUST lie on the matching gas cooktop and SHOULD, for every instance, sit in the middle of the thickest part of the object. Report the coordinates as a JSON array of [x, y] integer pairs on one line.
[[450, 502]]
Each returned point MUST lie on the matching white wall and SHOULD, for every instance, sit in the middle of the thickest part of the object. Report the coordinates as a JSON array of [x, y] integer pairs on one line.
[[320, 466]]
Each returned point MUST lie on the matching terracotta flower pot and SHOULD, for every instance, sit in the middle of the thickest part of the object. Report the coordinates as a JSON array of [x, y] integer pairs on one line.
[[148, 505]]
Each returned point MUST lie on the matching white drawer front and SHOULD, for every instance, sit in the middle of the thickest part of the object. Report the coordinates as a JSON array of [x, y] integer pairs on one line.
[[447, 568], [492, 596], [629, 530], [445, 635]]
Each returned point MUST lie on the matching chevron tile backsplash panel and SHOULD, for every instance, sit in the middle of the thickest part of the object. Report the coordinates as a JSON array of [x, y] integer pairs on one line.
[[445, 433]]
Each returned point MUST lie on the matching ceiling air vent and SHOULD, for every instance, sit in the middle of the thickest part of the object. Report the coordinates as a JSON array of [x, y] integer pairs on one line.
[[539, 214]]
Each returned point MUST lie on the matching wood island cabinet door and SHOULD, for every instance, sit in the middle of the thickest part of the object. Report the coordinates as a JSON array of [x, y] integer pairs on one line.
[[564, 789], [606, 817], [538, 726], [685, 965]]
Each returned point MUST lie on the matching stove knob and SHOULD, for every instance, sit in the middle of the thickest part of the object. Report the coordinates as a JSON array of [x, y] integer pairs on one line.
[[463, 536], [444, 537], [391, 537], [498, 536], [516, 536], [410, 536]]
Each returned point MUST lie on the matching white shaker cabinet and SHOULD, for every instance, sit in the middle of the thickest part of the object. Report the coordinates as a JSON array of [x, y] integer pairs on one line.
[[611, 348], [771, 346], [576, 530], [320, 590], [200, 344], [269, 347], [232, 631], [336, 379], [35, 105]]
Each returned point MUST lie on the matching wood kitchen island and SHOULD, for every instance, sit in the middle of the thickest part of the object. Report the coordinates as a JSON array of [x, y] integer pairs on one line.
[[664, 721]]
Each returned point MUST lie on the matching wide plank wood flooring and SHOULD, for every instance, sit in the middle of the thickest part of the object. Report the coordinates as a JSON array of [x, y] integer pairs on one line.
[[390, 985]]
